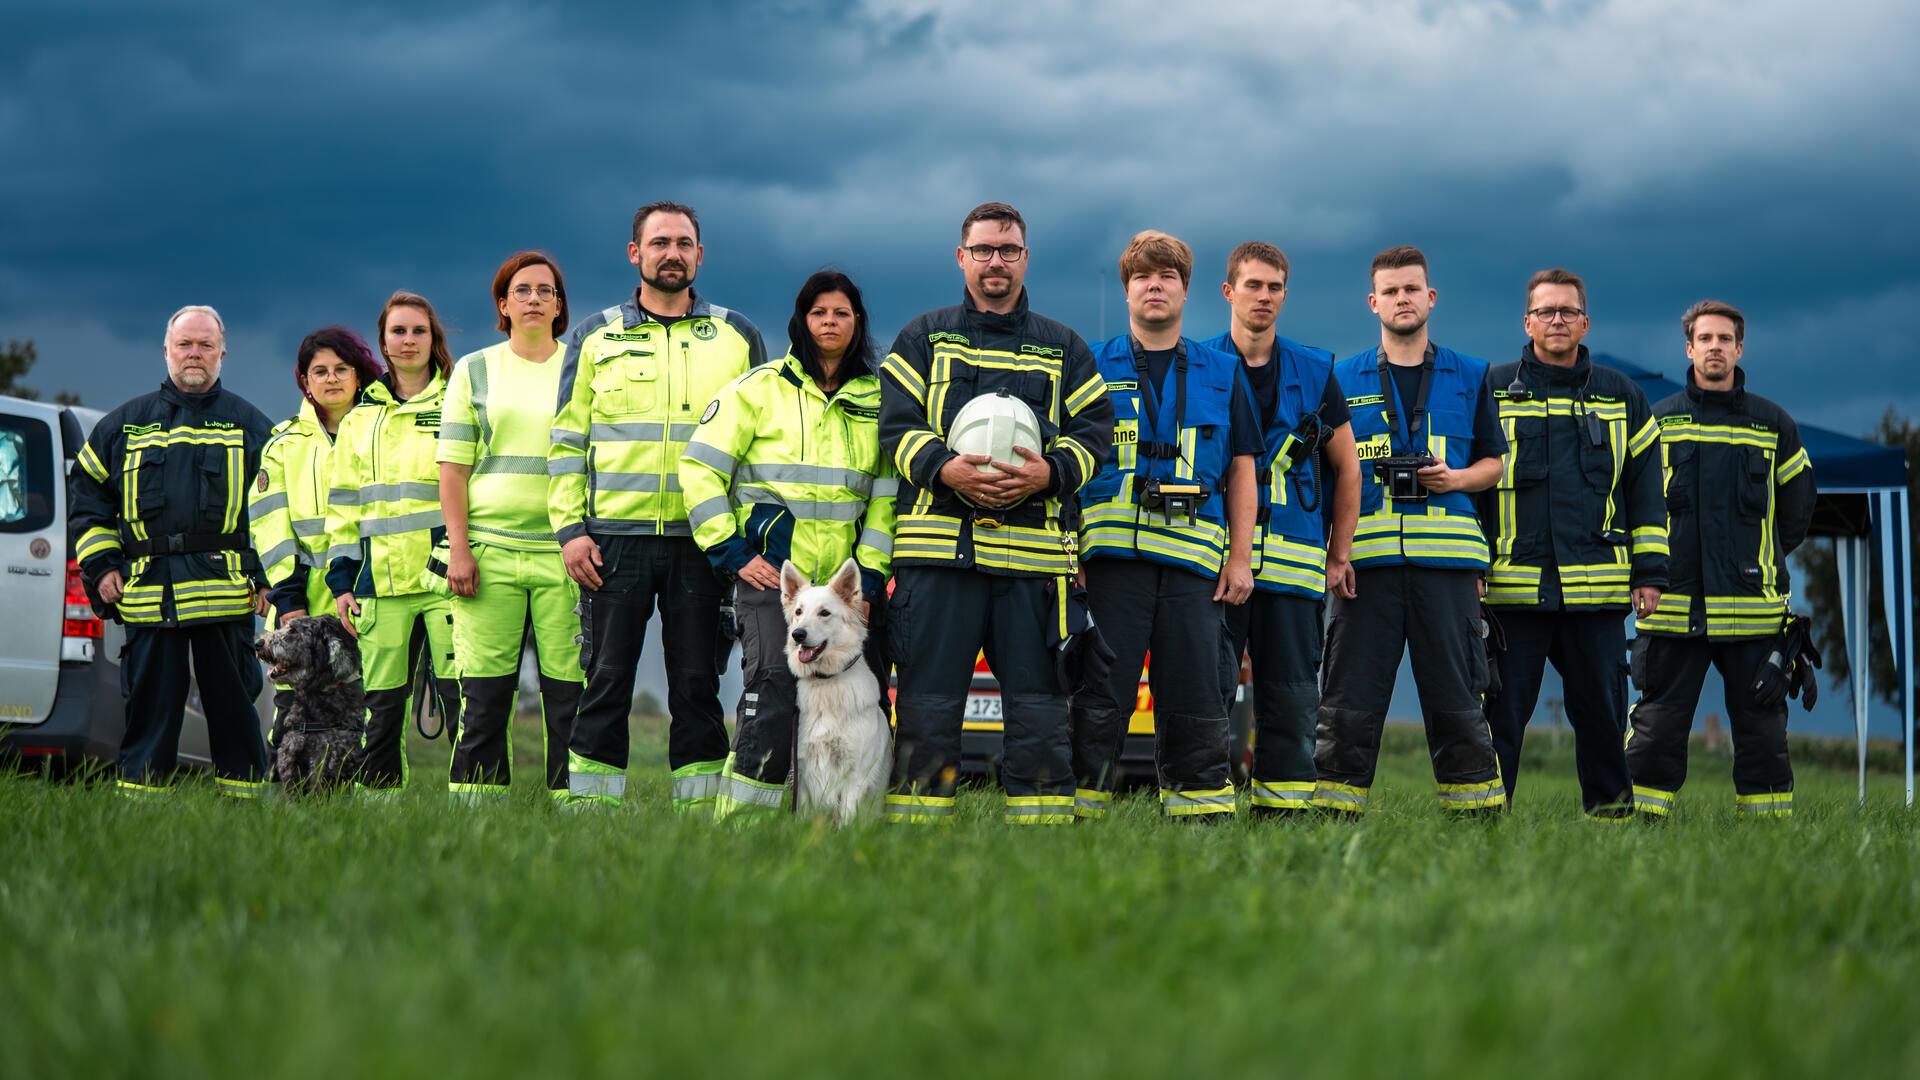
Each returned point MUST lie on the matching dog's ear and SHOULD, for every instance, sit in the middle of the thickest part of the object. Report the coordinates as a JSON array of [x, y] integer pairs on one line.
[[846, 583], [342, 655], [792, 581]]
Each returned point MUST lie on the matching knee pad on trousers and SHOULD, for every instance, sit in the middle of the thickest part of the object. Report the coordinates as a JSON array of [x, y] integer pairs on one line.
[[559, 703], [1465, 747], [1097, 736], [1193, 751], [386, 738]]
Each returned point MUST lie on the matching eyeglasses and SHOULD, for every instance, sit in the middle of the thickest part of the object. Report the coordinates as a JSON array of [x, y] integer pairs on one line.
[[523, 293], [1557, 314], [1009, 253], [331, 374]]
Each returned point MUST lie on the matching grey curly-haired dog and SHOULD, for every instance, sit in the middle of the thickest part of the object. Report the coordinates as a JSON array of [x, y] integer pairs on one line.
[[317, 738]]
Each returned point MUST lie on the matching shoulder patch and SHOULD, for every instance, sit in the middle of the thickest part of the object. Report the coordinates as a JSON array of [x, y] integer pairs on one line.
[[260, 482], [713, 409], [703, 329]]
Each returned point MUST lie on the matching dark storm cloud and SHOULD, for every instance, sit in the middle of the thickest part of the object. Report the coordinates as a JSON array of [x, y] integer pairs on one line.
[[292, 167]]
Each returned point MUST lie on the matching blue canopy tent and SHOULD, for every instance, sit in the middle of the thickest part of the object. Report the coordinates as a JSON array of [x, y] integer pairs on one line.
[[1861, 504]]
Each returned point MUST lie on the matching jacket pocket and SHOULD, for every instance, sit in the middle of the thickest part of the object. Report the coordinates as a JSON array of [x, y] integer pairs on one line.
[[1680, 476], [1755, 480], [1529, 453], [150, 479]]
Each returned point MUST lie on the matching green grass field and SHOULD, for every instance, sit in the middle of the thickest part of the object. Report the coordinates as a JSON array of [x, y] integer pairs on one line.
[[208, 938]]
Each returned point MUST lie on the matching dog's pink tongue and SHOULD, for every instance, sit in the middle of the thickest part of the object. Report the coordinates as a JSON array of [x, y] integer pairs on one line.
[[810, 653]]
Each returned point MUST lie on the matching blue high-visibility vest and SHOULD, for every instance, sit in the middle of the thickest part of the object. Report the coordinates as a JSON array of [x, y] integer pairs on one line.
[[1442, 530], [1290, 553], [1168, 445]]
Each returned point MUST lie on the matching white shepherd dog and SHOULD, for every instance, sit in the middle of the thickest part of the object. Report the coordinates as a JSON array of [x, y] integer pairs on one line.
[[842, 738]]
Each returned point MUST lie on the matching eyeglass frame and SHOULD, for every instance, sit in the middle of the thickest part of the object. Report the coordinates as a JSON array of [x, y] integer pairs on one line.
[[524, 293], [1019, 251], [1551, 315]]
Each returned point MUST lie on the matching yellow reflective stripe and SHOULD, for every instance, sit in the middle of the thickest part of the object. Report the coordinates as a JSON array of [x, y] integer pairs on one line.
[[904, 374], [96, 541], [1328, 795], [1792, 467], [919, 809], [1651, 540], [1650, 800], [911, 444], [1474, 796], [187, 436], [1091, 802], [1039, 810], [1773, 803], [1648, 434], [1087, 394], [1283, 794], [1079, 452], [1720, 433], [90, 461], [1190, 803], [240, 789]]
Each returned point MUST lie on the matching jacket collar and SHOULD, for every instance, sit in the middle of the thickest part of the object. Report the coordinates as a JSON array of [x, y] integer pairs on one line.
[[993, 320], [380, 391], [796, 373], [1538, 372], [1732, 399], [634, 315]]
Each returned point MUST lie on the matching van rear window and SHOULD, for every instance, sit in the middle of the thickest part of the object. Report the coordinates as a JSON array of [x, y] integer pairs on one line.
[[26, 475]]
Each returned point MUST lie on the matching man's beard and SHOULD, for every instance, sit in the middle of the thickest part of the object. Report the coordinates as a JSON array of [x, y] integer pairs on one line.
[[1419, 325], [205, 377], [996, 286], [659, 283]]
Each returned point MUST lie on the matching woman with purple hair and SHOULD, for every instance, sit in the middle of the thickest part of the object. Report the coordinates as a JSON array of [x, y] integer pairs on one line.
[[287, 508]]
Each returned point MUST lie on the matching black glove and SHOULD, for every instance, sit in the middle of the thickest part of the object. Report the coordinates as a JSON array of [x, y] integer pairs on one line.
[[1770, 683], [1788, 670]]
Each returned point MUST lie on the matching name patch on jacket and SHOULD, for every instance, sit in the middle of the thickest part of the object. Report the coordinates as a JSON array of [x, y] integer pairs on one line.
[[427, 419], [642, 335], [139, 429], [939, 336], [1043, 350], [861, 411], [1678, 420]]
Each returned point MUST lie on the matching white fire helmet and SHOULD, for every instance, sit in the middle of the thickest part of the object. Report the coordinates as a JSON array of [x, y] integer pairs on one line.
[[993, 424]]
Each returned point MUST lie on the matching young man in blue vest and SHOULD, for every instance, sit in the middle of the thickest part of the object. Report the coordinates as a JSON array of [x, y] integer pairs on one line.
[[1308, 480], [1428, 437], [1166, 537]]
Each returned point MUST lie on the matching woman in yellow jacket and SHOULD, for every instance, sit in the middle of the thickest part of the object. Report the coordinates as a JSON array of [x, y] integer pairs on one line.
[[786, 465], [287, 510], [502, 560], [383, 515]]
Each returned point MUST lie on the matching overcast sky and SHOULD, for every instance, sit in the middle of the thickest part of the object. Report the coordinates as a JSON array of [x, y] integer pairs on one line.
[[292, 167]]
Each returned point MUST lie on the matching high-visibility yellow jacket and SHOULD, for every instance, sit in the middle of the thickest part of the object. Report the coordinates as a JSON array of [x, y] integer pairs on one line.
[[498, 415], [778, 469], [287, 509], [383, 504], [631, 390]]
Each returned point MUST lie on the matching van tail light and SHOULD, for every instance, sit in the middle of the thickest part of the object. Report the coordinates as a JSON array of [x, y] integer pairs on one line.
[[79, 621]]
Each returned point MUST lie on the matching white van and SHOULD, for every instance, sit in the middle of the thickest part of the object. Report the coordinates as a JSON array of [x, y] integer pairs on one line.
[[61, 705]]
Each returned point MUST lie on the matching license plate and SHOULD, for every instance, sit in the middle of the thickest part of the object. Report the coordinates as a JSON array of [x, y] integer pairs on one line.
[[983, 707]]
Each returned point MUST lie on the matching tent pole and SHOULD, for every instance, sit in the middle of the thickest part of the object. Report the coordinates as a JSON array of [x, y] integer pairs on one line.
[[1850, 554], [1905, 521]]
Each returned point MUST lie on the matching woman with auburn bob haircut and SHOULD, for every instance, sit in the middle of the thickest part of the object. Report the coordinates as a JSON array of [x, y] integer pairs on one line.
[[503, 563], [383, 517]]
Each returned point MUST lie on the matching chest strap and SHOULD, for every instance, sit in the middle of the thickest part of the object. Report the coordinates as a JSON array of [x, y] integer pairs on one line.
[[184, 544]]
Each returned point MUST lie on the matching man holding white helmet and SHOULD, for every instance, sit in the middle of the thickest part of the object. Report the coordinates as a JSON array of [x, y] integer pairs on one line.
[[983, 549], [1167, 530]]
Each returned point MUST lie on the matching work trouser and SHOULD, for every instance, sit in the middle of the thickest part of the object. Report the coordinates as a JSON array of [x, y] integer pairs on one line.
[[1588, 649], [154, 679], [1141, 606], [1283, 635], [1435, 615], [398, 636], [636, 573], [754, 782], [518, 592], [1668, 672], [938, 621]]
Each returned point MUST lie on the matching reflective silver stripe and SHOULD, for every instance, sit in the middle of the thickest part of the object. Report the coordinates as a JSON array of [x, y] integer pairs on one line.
[[453, 432], [407, 489], [616, 527], [517, 464], [681, 432], [919, 810], [696, 787], [877, 540], [1030, 810], [310, 527], [805, 474], [884, 488], [1473, 796], [343, 551], [1082, 802], [405, 523], [565, 438], [267, 504], [1328, 795], [582, 783], [566, 466], [709, 455], [638, 432], [343, 496], [1262, 791], [1174, 798], [708, 510], [614, 481], [307, 558], [511, 534], [1652, 800], [285, 549], [808, 509], [477, 379], [752, 794]]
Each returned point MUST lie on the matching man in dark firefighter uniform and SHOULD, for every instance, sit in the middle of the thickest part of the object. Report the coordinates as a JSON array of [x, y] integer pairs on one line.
[[1167, 534], [159, 522], [1579, 531], [1309, 498], [1739, 501], [1428, 438], [992, 568]]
